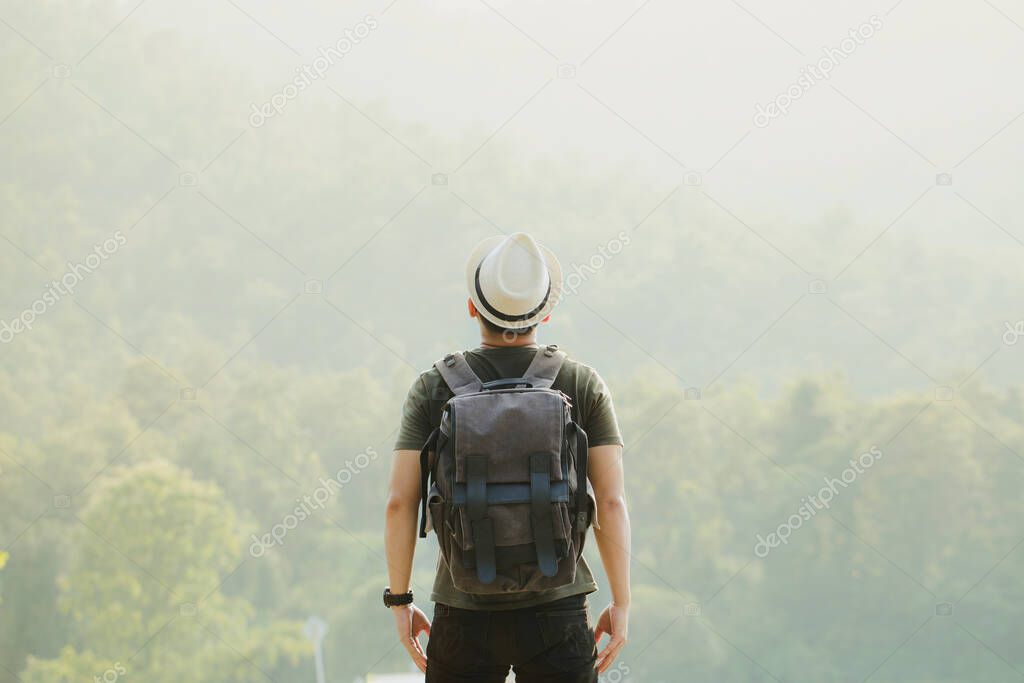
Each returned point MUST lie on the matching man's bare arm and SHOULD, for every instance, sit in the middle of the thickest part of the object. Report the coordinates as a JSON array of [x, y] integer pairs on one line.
[[400, 545], [613, 541]]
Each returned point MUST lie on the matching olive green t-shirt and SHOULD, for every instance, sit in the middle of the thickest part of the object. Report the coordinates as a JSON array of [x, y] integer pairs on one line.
[[592, 409]]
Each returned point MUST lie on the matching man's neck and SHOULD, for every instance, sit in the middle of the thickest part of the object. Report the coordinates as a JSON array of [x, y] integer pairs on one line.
[[497, 342]]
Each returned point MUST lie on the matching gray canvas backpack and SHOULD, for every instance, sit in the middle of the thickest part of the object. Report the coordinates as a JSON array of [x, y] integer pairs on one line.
[[504, 480]]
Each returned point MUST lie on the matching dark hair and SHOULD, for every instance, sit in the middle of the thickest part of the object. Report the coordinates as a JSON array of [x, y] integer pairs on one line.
[[497, 329]]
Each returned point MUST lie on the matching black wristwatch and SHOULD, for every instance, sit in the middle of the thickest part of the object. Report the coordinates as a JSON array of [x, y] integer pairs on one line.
[[393, 600]]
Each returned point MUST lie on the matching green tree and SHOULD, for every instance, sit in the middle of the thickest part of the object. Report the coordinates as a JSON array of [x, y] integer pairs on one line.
[[143, 590]]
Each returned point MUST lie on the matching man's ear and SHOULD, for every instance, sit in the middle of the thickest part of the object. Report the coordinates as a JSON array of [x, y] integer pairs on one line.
[[471, 307], [546, 319]]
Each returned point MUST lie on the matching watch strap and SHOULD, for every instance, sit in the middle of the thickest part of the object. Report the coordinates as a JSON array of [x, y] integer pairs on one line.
[[397, 599]]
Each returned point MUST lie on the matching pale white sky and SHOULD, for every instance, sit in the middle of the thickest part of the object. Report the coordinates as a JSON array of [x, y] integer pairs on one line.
[[917, 98]]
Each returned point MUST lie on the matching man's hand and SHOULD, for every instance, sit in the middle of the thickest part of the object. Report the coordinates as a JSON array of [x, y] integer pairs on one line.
[[410, 622], [614, 621], [613, 540]]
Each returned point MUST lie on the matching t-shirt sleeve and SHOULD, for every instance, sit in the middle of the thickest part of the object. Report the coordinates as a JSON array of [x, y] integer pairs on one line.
[[599, 421], [415, 426]]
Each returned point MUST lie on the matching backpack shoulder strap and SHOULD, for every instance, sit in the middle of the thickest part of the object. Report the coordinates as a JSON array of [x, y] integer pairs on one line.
[[457, 374], [545, 366]]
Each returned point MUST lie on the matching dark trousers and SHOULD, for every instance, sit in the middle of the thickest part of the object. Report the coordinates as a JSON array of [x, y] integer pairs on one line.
[[553, 642]]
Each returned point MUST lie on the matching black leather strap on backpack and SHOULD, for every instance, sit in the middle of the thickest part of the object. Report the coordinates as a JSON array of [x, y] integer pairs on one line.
[[480, 524], [540, 513]]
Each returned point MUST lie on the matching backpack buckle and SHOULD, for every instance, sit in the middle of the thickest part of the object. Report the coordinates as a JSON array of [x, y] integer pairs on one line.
[[449, 360], [581, 520], [550, 349]]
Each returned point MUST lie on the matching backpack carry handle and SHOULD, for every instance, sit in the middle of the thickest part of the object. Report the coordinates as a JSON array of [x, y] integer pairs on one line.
[[510, 383]]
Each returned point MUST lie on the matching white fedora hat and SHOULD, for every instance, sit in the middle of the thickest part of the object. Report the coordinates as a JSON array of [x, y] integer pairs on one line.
[[513, 281]]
